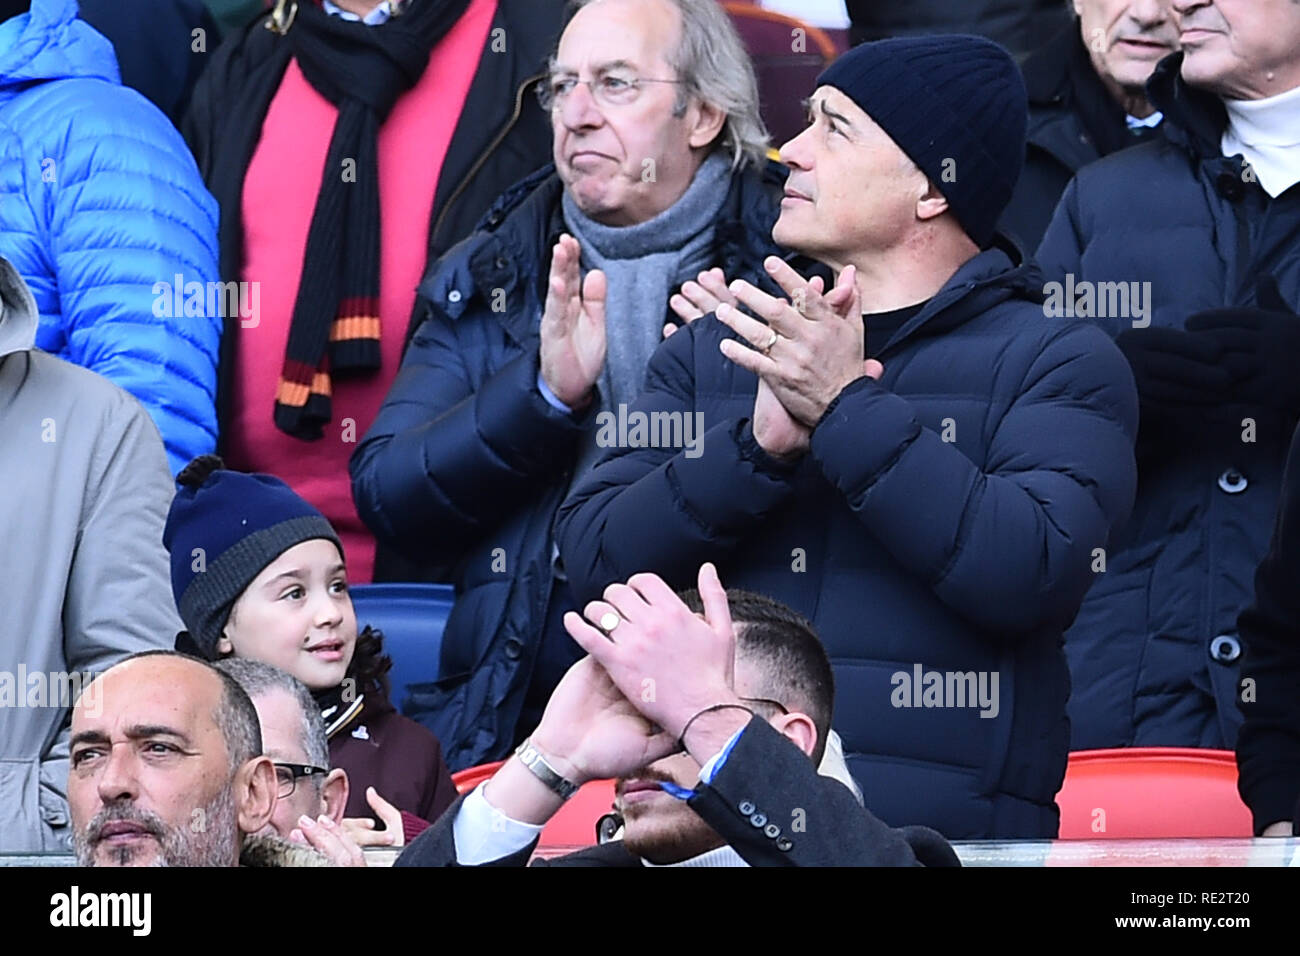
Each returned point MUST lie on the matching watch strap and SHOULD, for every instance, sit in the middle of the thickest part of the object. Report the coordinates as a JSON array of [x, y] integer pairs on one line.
[[532, 758]]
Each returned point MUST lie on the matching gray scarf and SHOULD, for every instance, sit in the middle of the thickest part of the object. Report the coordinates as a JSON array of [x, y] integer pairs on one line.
[[644, 265]]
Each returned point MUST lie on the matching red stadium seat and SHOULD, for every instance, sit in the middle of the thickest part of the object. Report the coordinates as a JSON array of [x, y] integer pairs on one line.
[[1152, 792], [785, 76], [469, 778], [574, 826]]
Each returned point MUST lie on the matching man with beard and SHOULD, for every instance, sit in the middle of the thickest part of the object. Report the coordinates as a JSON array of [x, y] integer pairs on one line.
[[167, 770], [714, 730]]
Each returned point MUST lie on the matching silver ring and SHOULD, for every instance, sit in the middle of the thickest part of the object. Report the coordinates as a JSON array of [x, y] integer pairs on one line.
[[608, 621], [770, 342]]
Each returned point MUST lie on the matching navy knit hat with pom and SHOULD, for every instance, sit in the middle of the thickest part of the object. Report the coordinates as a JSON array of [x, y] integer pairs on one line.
[[956, 105], [223, 529]]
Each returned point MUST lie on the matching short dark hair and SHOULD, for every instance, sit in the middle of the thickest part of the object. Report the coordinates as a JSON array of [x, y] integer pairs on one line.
[[235, 716], [787, 653]]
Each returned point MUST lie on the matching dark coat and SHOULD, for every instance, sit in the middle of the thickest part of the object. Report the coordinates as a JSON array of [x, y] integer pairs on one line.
[[1176, 213], [382, 749], [466, 463], [1020, 25], [1268, 746], [1073, 121], [155, 45], [502, 134], [753, 803], [944, 518]]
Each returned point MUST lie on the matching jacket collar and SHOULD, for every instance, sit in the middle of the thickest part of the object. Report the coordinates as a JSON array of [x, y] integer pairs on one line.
[[1064, 88], [1194, 119], [995, 275], [262, 851], [1048, 71]]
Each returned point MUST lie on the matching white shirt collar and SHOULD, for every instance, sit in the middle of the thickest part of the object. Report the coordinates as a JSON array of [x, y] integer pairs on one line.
[[379, 15], [1267, 133], [722, 856], [1148, 121]]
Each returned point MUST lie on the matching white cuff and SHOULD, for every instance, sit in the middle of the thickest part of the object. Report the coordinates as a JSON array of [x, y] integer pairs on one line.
[[484, 834]]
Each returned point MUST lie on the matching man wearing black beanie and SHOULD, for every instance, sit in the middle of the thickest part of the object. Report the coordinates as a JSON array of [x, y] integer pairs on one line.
[[916, 459]]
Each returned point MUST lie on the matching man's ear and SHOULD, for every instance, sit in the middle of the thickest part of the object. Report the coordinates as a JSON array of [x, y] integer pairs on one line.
[[334, 794], [799, 729], [932, 204], [709, 121], [254, 787]]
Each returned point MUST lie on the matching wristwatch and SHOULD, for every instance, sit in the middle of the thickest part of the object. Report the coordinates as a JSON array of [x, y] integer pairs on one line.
[[532, 758]]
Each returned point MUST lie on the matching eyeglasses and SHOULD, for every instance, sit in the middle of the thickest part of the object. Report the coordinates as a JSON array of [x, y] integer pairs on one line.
[[287, 774], [608, 89]]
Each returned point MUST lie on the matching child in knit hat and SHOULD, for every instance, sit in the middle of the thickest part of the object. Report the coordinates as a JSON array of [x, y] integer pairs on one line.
[[259, 573]]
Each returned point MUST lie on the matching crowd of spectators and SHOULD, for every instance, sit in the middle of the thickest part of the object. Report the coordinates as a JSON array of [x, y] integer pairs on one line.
[[823, 494]]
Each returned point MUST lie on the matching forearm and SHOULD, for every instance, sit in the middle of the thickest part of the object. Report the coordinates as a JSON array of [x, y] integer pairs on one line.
[[517, 793]]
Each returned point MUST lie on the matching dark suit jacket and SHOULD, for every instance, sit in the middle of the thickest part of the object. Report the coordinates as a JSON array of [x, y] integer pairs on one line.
[[768, 802]]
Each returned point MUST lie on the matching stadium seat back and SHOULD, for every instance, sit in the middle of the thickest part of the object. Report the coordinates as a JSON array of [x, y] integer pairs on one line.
[[1152, 792], [412, 618], [786, 62]]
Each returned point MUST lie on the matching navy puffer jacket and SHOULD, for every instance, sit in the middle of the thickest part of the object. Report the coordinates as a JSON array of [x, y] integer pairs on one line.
[[466, 464], [945, 519], [1155, 653]]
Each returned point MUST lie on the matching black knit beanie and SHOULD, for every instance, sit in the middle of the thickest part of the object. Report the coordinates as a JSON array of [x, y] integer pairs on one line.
[[956, 105]]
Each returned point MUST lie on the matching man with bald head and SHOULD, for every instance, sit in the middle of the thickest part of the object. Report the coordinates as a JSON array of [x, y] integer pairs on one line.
[[166, 766]]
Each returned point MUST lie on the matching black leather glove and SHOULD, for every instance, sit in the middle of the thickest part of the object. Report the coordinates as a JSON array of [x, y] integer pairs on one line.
[[1260, 348]]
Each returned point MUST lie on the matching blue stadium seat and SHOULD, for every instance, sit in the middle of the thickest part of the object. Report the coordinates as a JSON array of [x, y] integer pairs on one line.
[[412, 617]]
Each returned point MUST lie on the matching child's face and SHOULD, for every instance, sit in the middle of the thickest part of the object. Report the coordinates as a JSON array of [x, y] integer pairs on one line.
[[297, 616]]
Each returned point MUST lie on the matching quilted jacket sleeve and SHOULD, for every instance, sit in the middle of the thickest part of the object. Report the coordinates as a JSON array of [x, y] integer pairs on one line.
[[459, 444], [116, 216], [1006, 544]]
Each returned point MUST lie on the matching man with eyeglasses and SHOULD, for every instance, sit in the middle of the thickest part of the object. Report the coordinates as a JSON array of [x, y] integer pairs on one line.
[[537, 333], [167, 769], [311, 798], [712, 710]]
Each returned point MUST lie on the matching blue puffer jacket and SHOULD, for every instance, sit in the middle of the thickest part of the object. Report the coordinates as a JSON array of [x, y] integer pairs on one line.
[[100, 200], [944, 520], [1155, 654]]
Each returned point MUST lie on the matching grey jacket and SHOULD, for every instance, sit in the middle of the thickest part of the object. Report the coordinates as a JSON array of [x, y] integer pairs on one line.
[[83, 573]]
